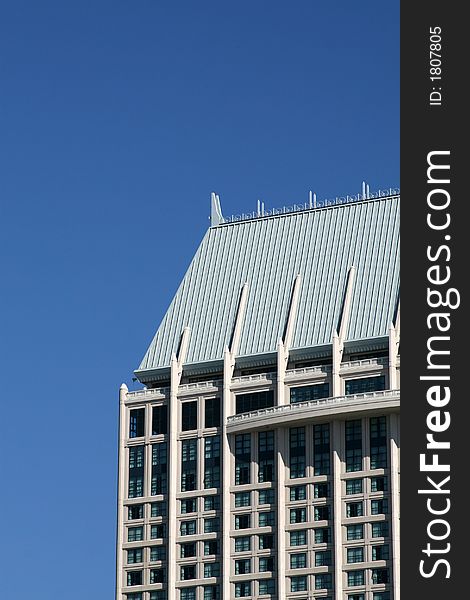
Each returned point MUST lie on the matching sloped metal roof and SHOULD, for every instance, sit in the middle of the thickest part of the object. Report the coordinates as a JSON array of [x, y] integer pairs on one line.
[[268, 252]]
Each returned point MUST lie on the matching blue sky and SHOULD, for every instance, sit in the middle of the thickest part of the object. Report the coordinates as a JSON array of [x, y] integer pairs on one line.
[[117, 120]]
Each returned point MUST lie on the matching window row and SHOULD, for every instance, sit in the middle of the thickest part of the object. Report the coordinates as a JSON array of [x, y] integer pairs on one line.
[[367, 576]]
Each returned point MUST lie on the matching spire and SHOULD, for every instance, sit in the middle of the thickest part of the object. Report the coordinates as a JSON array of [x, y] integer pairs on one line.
[[216, 211]]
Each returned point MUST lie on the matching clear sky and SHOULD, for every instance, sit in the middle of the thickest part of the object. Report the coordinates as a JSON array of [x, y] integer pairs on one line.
[[117, 120]]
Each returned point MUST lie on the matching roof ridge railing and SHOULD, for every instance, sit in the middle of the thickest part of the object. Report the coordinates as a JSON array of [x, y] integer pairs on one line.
[[313, 204]]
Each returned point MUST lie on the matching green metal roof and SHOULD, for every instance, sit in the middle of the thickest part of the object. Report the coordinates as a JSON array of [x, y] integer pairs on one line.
[[268, 252]]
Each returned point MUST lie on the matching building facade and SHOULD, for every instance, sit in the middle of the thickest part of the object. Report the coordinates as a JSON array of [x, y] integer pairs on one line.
[[261, 458]]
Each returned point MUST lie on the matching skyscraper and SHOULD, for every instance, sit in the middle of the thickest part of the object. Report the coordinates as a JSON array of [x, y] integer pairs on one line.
[[261, 458]]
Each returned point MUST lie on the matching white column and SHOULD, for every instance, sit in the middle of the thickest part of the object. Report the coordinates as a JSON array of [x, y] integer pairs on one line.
[[121, 488], [226, 476], [395, 504], [337, 442], [281, 476], [336, 359], [392, 358], [172, 476]]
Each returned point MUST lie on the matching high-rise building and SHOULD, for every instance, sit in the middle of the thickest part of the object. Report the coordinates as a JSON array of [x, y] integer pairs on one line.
[[261, 458]]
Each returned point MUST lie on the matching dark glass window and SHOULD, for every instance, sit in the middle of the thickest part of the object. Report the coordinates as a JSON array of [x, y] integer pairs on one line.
[[188, 464], [266, 563], [136, 471], [354, 509], [188, 593], [159, 419], [380, 552], [137, 422], [267, 587], [211, 503], [135, 534], [355, 555], [212, 412], [159, 469], [380, 576], [211, 525], [321, 449], [188, 572], [157, 553], [242, 589], [378, 443], [134, 578], [243, 521], [365, 384], [134, 555], [188, 506], [158, 509], [378, 484], [321, 513], [135, 511], [189, 416], [321, 490], [309, 392], [243, 567], [211, 570], [298, 584], [254, 401], [298, 537], [212, 462], [265, 456], [353, 445], [297, 452], [188, 527], [188, 550], [211, 592], [266, 496], [211, 547], [298, 561], [266, 542], [157, 532], [323, 558], [323, 535], [242, 499], [157, 575], [242, 458], [298, 492], [353, 486], [354, 532]]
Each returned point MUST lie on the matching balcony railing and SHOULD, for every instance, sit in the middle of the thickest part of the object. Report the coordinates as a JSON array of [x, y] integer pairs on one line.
[[299, 407], [147, 394]]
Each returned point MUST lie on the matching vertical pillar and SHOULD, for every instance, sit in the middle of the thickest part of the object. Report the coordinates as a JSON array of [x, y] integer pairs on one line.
[[392, 358], [226, 476], [337, 442], [172, 476], [281, 476], [395, 504], [121, 488], [336, 359]]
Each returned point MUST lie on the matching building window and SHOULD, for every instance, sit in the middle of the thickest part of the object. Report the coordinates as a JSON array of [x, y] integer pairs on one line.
[[212, 462], [134, 578], [242, 458], [355, 555], [188, 506], [159, 419], [157, 575], [211, 525], [188, 527], [266, 564], [189, 416], [188, 465], [211, 503], [297, 452], [323, 581], [378, 443], [298, 537], [365, 385], [242, 589], [381, 596], [158, 509], [134, 556], [159, 469], [380, 552], [254, 401], [321, 513], [355, 532], [378, 484], [188, 550], [243, 521], [266, 497], [211, 547], [298, 515], [242, 544], [380, 529], [158, 595], [137, 596], [188, 572], [266, 542], [135, 511], [265, 456], [266, 519], [353, 445], [298, 561], [243, 567], [355, 596], [157, 553], [353, 486], [321, 449], [135, 534], [298, 492], [307, 393], [380, 576], [379, 507], [354, 509], [242, 499], [188, 593], [157, 532], [137, 423], [323, 558], [136, 471], [321, 490], [323, 535], [355, 578], [212, 412], [267, 587], [211, 570], [298, 584], [211, 592]]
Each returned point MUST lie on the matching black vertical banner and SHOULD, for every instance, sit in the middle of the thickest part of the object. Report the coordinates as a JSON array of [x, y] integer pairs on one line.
[[435, 360]]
